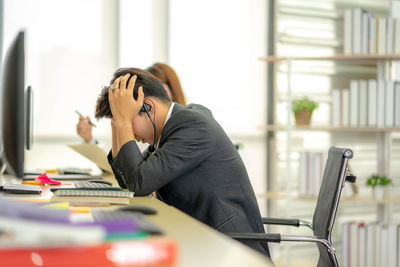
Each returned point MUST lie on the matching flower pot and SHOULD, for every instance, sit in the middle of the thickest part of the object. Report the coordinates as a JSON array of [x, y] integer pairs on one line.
[[303, 117], [379, 192]]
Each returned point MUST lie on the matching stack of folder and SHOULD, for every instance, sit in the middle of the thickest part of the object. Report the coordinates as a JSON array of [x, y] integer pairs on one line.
[[32, 235]]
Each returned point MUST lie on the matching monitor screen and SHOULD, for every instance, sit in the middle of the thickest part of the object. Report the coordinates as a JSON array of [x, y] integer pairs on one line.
[[16, 108]]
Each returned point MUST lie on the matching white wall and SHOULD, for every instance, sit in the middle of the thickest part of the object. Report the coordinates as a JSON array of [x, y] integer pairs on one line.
[[73, 47], [70, 54], [214, 47]]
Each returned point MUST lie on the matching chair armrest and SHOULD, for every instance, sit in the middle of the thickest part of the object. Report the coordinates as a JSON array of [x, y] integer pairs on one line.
[[258, 237], [277, 238], [278, 221]]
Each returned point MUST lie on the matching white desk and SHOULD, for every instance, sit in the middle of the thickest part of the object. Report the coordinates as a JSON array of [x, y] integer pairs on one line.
[[198, 244]]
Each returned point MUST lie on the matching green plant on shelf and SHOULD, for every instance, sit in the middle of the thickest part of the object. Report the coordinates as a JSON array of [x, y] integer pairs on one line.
[[378, 180], [303, 109]]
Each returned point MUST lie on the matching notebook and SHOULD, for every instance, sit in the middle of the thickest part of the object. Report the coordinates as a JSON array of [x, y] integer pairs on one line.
[[92, 196]]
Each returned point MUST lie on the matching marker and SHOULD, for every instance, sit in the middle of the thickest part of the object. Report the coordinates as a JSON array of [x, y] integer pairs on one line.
[[31, 183], [91, 123]]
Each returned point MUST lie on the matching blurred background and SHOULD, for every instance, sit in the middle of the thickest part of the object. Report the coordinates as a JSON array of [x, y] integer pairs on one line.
[[73, 48], [218, 50]]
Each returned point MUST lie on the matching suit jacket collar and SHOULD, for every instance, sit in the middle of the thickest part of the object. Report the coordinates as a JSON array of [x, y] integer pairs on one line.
[[177, 107], [167, 125]]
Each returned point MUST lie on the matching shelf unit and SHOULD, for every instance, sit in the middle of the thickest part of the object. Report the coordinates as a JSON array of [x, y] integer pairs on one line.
[[294, 30], [382, 133]]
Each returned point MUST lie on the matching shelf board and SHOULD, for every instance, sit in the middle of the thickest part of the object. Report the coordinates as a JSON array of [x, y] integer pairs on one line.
[[343, 58], [358, 198], [332, 129]]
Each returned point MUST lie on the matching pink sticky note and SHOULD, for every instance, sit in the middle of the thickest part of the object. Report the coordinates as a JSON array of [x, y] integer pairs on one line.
[[44, 179]]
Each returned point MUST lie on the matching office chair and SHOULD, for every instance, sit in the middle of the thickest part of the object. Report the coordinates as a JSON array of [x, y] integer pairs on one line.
[[335, 174]]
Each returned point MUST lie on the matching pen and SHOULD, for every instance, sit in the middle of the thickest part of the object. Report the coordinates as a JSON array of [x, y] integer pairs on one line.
[[91, 123], [31, 183]]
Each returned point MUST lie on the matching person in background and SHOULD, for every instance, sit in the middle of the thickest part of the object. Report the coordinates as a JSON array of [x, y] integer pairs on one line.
[[167, 77], [190, 163]]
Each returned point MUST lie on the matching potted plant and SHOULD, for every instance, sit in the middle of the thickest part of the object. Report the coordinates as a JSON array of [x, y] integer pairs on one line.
[[379, 183], [303, 109]]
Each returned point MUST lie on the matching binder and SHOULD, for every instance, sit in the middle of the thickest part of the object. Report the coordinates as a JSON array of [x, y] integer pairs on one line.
[[149, 252]]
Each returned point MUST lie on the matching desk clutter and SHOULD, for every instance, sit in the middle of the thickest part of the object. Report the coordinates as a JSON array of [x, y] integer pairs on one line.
[[40, 234]]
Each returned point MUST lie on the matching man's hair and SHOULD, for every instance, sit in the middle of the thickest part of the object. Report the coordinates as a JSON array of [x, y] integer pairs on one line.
[[151, 87]]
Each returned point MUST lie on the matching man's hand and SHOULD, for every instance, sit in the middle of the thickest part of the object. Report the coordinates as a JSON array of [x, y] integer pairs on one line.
[[122, 104], [124, 108], [84, 129]]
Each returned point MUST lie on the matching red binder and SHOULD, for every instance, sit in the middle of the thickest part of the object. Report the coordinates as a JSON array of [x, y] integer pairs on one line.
[[139, 253]]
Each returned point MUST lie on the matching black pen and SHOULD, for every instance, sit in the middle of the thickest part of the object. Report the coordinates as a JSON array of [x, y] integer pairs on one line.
[[91, 123]]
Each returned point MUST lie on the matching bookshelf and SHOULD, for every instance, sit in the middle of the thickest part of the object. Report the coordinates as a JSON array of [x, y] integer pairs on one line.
[[283, 136], [383, 139]]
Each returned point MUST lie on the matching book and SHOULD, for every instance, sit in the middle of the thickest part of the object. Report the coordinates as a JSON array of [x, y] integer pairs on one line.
[[396, 43], [389, 104], [370, 244], [372, 103], [354, 100], [363, 103], [397, 105], [302, 174], [345, 244], [354, 245], [381, 36], [317, 172], [378, 244], [347, 29], [336, 107], [392, 246], [161, 252], [357, 30], [364, 33], [345, 107], [362, 245], [398, 245], [384, 246], [389, 35], [371, 34], [380, 118]]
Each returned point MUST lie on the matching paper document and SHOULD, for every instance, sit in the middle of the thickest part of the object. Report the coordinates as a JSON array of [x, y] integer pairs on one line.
[[94, 153]]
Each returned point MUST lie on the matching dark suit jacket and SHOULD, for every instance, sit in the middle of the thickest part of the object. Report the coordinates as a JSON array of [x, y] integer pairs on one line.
[[196, 169]]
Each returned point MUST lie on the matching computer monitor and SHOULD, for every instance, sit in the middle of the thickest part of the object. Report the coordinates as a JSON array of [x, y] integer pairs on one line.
[[16, 110]]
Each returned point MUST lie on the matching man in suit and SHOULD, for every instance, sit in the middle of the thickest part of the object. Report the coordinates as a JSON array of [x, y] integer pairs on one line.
[[191, 163]]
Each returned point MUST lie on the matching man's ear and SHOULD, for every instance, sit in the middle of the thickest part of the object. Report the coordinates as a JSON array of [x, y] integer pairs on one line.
[[148, 106]]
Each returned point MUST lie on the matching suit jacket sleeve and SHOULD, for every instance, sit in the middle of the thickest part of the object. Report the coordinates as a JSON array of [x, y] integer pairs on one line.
[[187, 144], [120, 181]]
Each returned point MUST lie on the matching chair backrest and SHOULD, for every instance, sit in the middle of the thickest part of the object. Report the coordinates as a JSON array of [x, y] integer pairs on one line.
[[328, 200]]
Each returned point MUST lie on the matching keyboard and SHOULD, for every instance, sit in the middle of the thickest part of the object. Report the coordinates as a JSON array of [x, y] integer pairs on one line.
[[95, 186], [77, 192], [142, 221]]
